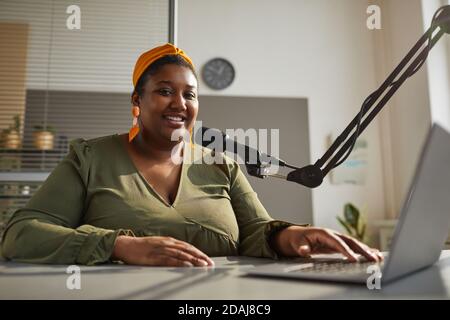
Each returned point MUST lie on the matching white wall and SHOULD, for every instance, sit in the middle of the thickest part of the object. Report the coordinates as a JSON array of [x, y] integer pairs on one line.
[[318, 49]]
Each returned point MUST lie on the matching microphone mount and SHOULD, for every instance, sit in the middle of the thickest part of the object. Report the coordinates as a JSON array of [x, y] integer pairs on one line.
[[313, 175]]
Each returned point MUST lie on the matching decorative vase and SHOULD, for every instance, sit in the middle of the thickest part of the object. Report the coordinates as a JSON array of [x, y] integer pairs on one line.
[[11, 140], [43, 140]]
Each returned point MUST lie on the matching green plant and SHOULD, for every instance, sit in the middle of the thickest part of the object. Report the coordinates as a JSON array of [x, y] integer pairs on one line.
[[15, 126], [44, 127], [353, 222]]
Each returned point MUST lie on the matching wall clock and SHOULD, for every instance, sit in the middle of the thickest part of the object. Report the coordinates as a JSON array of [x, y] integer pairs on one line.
[[218, 73]]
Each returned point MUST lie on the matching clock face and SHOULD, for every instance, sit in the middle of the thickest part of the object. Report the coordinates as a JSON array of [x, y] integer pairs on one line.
[[218, 73]]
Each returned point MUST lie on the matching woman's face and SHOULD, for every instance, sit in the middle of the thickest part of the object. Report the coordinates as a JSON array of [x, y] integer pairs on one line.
[[169, 103]]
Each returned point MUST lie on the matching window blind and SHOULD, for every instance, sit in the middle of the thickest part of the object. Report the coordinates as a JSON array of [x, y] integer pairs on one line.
[[59, 82]]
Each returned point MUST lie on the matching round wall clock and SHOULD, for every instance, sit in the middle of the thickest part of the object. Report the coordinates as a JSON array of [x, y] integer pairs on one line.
[[218, 73]]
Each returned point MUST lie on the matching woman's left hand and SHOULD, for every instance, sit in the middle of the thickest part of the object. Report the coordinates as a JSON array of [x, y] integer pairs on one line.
[[304, 241]]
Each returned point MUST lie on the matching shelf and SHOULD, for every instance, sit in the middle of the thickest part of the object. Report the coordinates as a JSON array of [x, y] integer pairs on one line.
[[28, 164], [33, 151], [24, 176]]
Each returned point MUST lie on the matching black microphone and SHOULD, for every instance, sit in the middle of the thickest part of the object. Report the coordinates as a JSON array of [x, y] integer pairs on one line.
[[257, 163], [310, 176]]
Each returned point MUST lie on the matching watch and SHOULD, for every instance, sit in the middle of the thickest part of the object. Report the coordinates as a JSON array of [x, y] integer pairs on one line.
[[218, 73]]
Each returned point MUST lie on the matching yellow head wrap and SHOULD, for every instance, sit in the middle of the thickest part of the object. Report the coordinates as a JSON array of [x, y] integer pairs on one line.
[[147, 58]]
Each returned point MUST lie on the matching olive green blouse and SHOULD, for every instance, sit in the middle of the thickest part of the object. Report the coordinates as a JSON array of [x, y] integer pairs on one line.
[[96, 193]]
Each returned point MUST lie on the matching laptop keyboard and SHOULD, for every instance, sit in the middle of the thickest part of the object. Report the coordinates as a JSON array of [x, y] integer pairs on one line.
[[332, 267]]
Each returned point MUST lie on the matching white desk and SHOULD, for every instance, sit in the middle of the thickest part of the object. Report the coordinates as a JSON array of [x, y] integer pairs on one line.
[[226, 281]]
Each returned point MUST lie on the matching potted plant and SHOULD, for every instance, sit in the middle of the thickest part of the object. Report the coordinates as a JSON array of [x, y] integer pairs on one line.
[[353, 222], [44, 137], [10, 137]]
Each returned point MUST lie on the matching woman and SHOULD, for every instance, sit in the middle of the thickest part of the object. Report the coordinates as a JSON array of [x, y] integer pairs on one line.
[[123, 198]]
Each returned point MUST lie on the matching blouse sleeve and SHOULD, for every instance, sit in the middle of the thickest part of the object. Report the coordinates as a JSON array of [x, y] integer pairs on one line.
[[255, 224], [48, 230]]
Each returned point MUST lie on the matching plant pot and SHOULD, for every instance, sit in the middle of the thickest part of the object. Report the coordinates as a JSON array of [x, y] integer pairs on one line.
[[43, 140], [11, 140]]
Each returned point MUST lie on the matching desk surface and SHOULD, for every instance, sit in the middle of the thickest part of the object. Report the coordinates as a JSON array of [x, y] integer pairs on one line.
[[226, 281]]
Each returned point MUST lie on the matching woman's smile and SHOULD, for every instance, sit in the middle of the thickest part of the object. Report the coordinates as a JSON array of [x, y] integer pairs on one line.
[[175, 121]]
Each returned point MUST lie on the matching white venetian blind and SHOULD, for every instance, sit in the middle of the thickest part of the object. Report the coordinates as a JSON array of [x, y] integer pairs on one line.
[[70, 82]]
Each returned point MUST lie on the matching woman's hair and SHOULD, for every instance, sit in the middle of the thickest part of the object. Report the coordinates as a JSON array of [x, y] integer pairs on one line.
[[156, 66]]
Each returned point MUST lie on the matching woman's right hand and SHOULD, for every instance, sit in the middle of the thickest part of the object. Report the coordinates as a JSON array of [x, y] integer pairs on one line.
[[158, 251]]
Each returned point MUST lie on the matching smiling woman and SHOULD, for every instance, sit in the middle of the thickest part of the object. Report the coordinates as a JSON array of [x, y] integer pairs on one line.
[[173, 84], [123, 198]]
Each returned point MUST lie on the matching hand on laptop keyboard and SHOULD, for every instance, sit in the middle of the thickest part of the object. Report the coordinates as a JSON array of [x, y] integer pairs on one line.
[[305, 241]]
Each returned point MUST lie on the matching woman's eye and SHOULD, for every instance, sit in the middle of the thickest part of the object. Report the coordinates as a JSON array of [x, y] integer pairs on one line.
[[165, 92], [190, 95]]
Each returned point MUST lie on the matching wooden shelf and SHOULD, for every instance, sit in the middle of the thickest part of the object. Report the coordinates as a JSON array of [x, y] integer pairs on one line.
[[33, 151]]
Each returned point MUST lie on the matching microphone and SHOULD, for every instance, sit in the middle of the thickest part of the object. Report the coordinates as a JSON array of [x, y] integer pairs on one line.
[[310, 176], [257, 163]]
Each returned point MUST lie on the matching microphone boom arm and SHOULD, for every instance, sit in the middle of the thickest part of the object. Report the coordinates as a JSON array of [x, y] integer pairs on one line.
[[312, 175]]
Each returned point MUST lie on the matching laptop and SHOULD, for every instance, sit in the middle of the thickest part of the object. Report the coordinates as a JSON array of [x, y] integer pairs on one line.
[[419, 237]]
